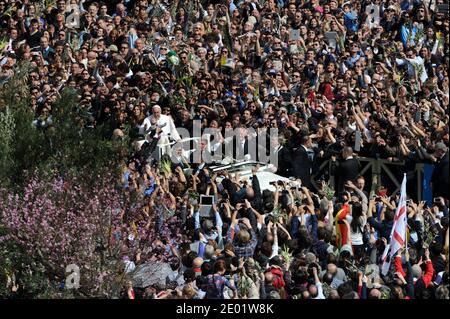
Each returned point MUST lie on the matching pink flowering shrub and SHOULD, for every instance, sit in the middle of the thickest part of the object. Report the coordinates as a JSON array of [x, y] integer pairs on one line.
[[58, 223]]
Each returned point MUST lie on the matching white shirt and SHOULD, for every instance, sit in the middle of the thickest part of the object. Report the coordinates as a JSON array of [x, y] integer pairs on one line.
[[357, 237], [168, 130], [320, 294], [419, 63], [129, 266]]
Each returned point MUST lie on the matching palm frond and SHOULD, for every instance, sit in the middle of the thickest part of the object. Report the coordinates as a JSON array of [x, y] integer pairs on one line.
[[193, 195], [428, 232], [419, 35], [277, 214], [3, 43], [166, 166], [329, 191], [244, 286], [385, 294], [8, 11], [286, 253], [49, 4]]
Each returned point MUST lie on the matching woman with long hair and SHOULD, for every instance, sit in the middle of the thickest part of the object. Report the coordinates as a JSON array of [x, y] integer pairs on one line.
[[216, 283]]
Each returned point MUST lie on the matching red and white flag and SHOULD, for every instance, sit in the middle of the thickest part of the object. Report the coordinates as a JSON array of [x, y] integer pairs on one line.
[[398, 234]]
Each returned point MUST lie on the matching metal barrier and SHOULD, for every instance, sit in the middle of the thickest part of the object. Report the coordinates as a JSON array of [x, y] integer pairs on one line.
[[379, 168]]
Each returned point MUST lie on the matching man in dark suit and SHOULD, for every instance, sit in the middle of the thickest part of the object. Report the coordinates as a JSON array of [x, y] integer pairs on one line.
[[241, 143], [48, 53], [347, 170], [439, 179], [283, 156], [303, 158]]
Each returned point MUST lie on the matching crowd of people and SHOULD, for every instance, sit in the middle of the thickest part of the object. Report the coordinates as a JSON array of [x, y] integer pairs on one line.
[[339, 80]]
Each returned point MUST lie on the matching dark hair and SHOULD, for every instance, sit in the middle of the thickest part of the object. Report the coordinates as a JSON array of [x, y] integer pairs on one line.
[[190, 258], [266, 249], [304, 139], [328, 278], [435, 248], [207, 268], [174, 263], [304, 238], [300, 276], [189, 275], [444, 222], [389, 215], [321, 233], [220, 265], [331, 258], [350, 295], [356, 222], [344, 289]]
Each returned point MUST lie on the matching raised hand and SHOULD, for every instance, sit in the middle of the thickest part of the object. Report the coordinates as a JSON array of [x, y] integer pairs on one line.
[[350, 184]]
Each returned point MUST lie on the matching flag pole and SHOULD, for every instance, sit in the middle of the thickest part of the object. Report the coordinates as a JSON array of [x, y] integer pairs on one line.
[[406, 225], [398, 233]]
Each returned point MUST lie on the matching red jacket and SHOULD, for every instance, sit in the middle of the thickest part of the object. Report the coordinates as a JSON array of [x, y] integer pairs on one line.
[[428, 272], [398, 265]]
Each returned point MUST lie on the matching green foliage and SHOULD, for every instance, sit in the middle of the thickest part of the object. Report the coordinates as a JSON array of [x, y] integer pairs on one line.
[[286, 253], [193, 196], [278, 214], [49, 3], [166, 166], [329, 191], [429, 232], [23, 145], [7, 126], [72, 145], [65, 146], [244, 286], [3, 43], [17, 268]]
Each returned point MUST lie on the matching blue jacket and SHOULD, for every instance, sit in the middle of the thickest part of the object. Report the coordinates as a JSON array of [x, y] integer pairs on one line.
[[383, 228]]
